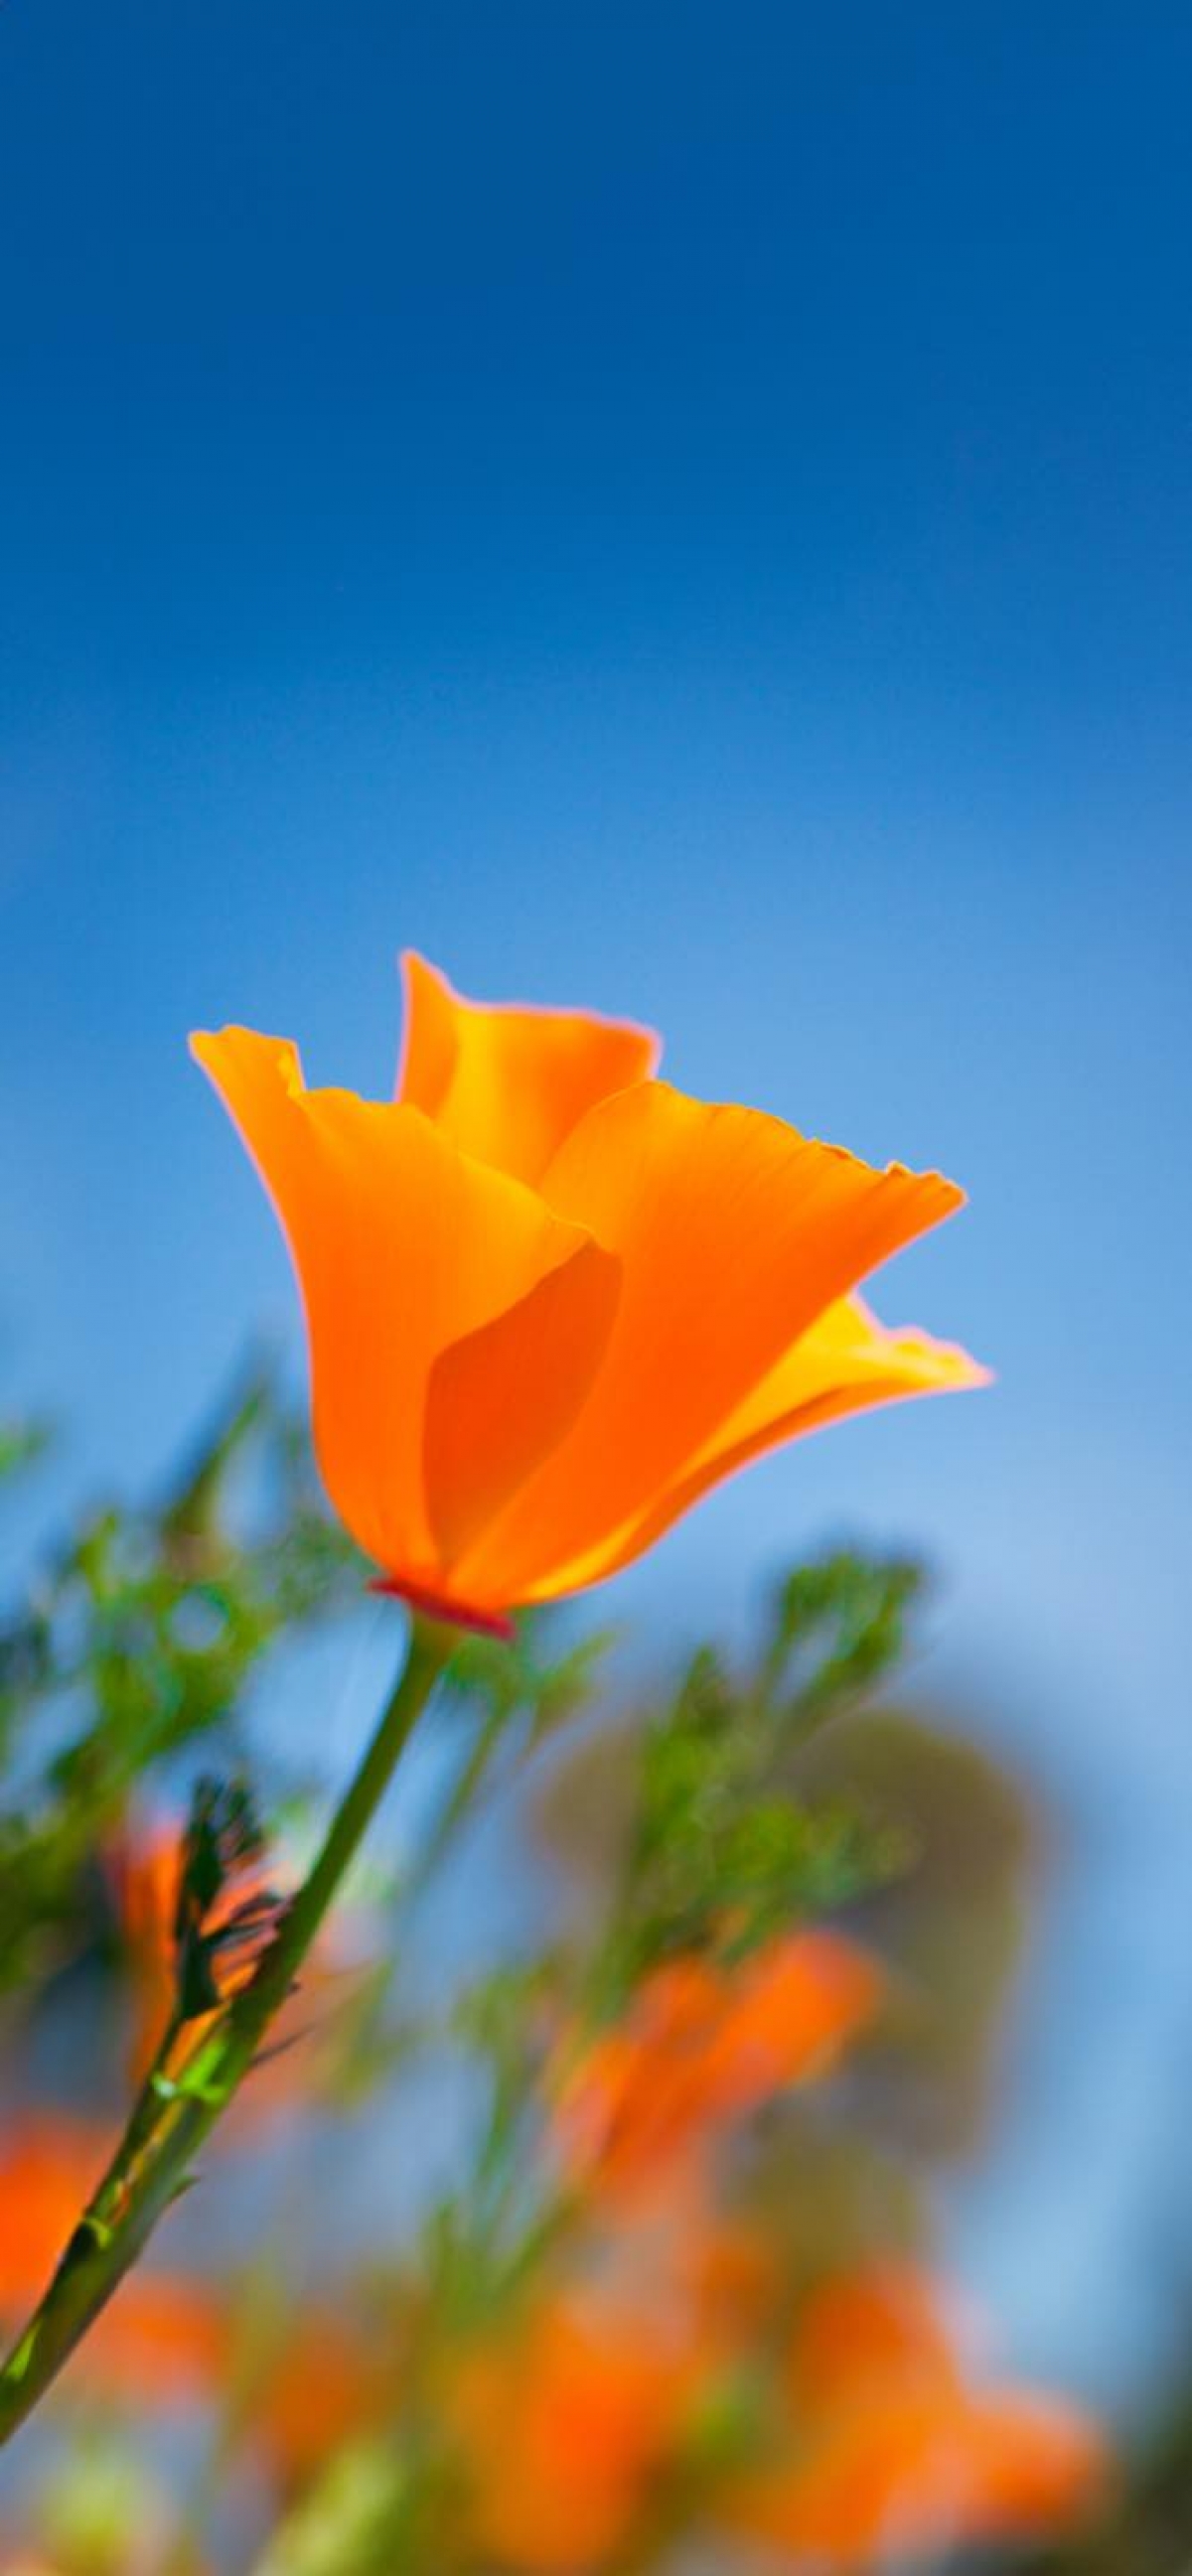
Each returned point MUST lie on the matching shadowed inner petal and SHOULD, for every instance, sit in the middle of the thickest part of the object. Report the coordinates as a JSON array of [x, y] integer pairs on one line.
[[502, 1399]]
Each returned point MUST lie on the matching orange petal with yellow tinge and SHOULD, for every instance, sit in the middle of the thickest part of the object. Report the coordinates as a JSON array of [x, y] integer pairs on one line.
[[505, 1082], [403, 1247], [735, 1235], [846, 1363]]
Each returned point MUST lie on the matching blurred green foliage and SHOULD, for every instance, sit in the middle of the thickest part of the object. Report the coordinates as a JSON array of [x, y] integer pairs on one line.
[[721, 1850], [142, 1634]]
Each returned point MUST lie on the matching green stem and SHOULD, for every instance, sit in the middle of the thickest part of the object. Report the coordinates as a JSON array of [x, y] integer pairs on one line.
[[170, 2122]]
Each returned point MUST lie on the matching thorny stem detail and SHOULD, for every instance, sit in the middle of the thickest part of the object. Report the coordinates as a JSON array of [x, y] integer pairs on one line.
[[171, 2118]]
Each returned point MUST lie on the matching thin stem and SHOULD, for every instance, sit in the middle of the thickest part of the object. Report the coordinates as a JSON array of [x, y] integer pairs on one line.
[[171, 2119]]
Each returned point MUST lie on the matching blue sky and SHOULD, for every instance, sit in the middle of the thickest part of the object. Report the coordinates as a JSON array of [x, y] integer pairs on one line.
[[686, 509]]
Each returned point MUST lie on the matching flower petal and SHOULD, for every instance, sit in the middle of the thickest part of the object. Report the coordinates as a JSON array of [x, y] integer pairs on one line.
[[736, 1234], [503, 1398], [845, 1363], [506, 1083], [878, 2324], [898, 2455], [402, 1247], [700, 2048]]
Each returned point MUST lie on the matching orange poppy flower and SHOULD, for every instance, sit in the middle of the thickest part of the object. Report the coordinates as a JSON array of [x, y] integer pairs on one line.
[[550, 1300], [894, 2455], [564, 2424], [702, 2046]]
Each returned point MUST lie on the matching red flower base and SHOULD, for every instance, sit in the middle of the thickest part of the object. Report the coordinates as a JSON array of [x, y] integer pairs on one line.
[[451, 1614]]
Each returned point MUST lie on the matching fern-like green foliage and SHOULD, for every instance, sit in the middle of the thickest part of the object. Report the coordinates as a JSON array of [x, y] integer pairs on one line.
[[722, 1852], [144, 1633]]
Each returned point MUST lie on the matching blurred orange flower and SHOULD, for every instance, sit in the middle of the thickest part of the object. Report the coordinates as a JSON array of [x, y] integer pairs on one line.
[[571, 2421], [550, 1300], [565, 2421], [588, 2417], [701, 2046], [893, 2454]]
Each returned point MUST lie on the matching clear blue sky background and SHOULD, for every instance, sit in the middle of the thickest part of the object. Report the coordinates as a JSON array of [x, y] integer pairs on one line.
[[685, 508]]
